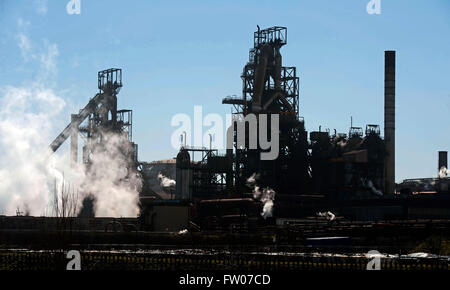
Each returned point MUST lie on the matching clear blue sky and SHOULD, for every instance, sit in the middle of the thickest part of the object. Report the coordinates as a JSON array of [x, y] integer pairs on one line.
[[177, 54]]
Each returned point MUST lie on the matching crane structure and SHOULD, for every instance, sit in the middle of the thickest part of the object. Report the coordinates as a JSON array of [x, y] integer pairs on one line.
[[98, 118]]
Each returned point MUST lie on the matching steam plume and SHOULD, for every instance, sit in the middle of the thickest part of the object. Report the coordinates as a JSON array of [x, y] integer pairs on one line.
[[29, 172], [26, 176], [444, 172], [266, 196], [165, 182], [373, 188], [328, 215], [111, 179]]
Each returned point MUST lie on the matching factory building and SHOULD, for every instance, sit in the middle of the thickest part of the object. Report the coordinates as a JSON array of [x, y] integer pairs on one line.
[[351, 173]]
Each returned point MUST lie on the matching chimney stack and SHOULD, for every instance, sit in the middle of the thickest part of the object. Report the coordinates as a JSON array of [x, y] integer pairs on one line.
[[443, 160], [389, 120]]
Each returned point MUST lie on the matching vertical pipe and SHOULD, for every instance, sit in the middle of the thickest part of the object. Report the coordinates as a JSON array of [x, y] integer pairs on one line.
[[74, 141], [277, 74], [389, 120]]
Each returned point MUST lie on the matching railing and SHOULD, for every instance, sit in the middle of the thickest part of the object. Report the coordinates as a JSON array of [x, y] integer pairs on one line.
[[56, 260]]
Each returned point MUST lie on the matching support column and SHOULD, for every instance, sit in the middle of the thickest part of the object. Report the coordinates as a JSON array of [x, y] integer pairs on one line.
[[74, 141]]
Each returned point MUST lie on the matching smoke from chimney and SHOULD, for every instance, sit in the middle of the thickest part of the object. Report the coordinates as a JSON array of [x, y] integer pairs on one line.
[[266, 196]]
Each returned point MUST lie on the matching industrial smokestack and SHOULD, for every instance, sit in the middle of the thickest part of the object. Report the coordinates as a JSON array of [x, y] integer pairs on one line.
[[443, 160], [389, 120]]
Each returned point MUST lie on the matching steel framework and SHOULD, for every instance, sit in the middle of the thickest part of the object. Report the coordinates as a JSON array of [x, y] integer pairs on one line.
[[270, 88]]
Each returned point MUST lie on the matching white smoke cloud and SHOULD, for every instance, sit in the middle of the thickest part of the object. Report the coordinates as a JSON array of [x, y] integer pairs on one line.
[[444, 172], [183, 232], [373, 188], [48, 60], [30, 118], [28, 172], [328, 215], [27, 112], [251, 181], [45, 55], [165, 182], [24, 44], [24, 168], [266, 196], [111, 178], [342, 143]]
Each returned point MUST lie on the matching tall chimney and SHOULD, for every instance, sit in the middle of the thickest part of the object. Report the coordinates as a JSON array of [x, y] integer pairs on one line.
[[443, 160], [389, 120]]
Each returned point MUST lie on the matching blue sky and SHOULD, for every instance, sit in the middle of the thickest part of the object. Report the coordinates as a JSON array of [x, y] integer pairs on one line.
[[177, 54]]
